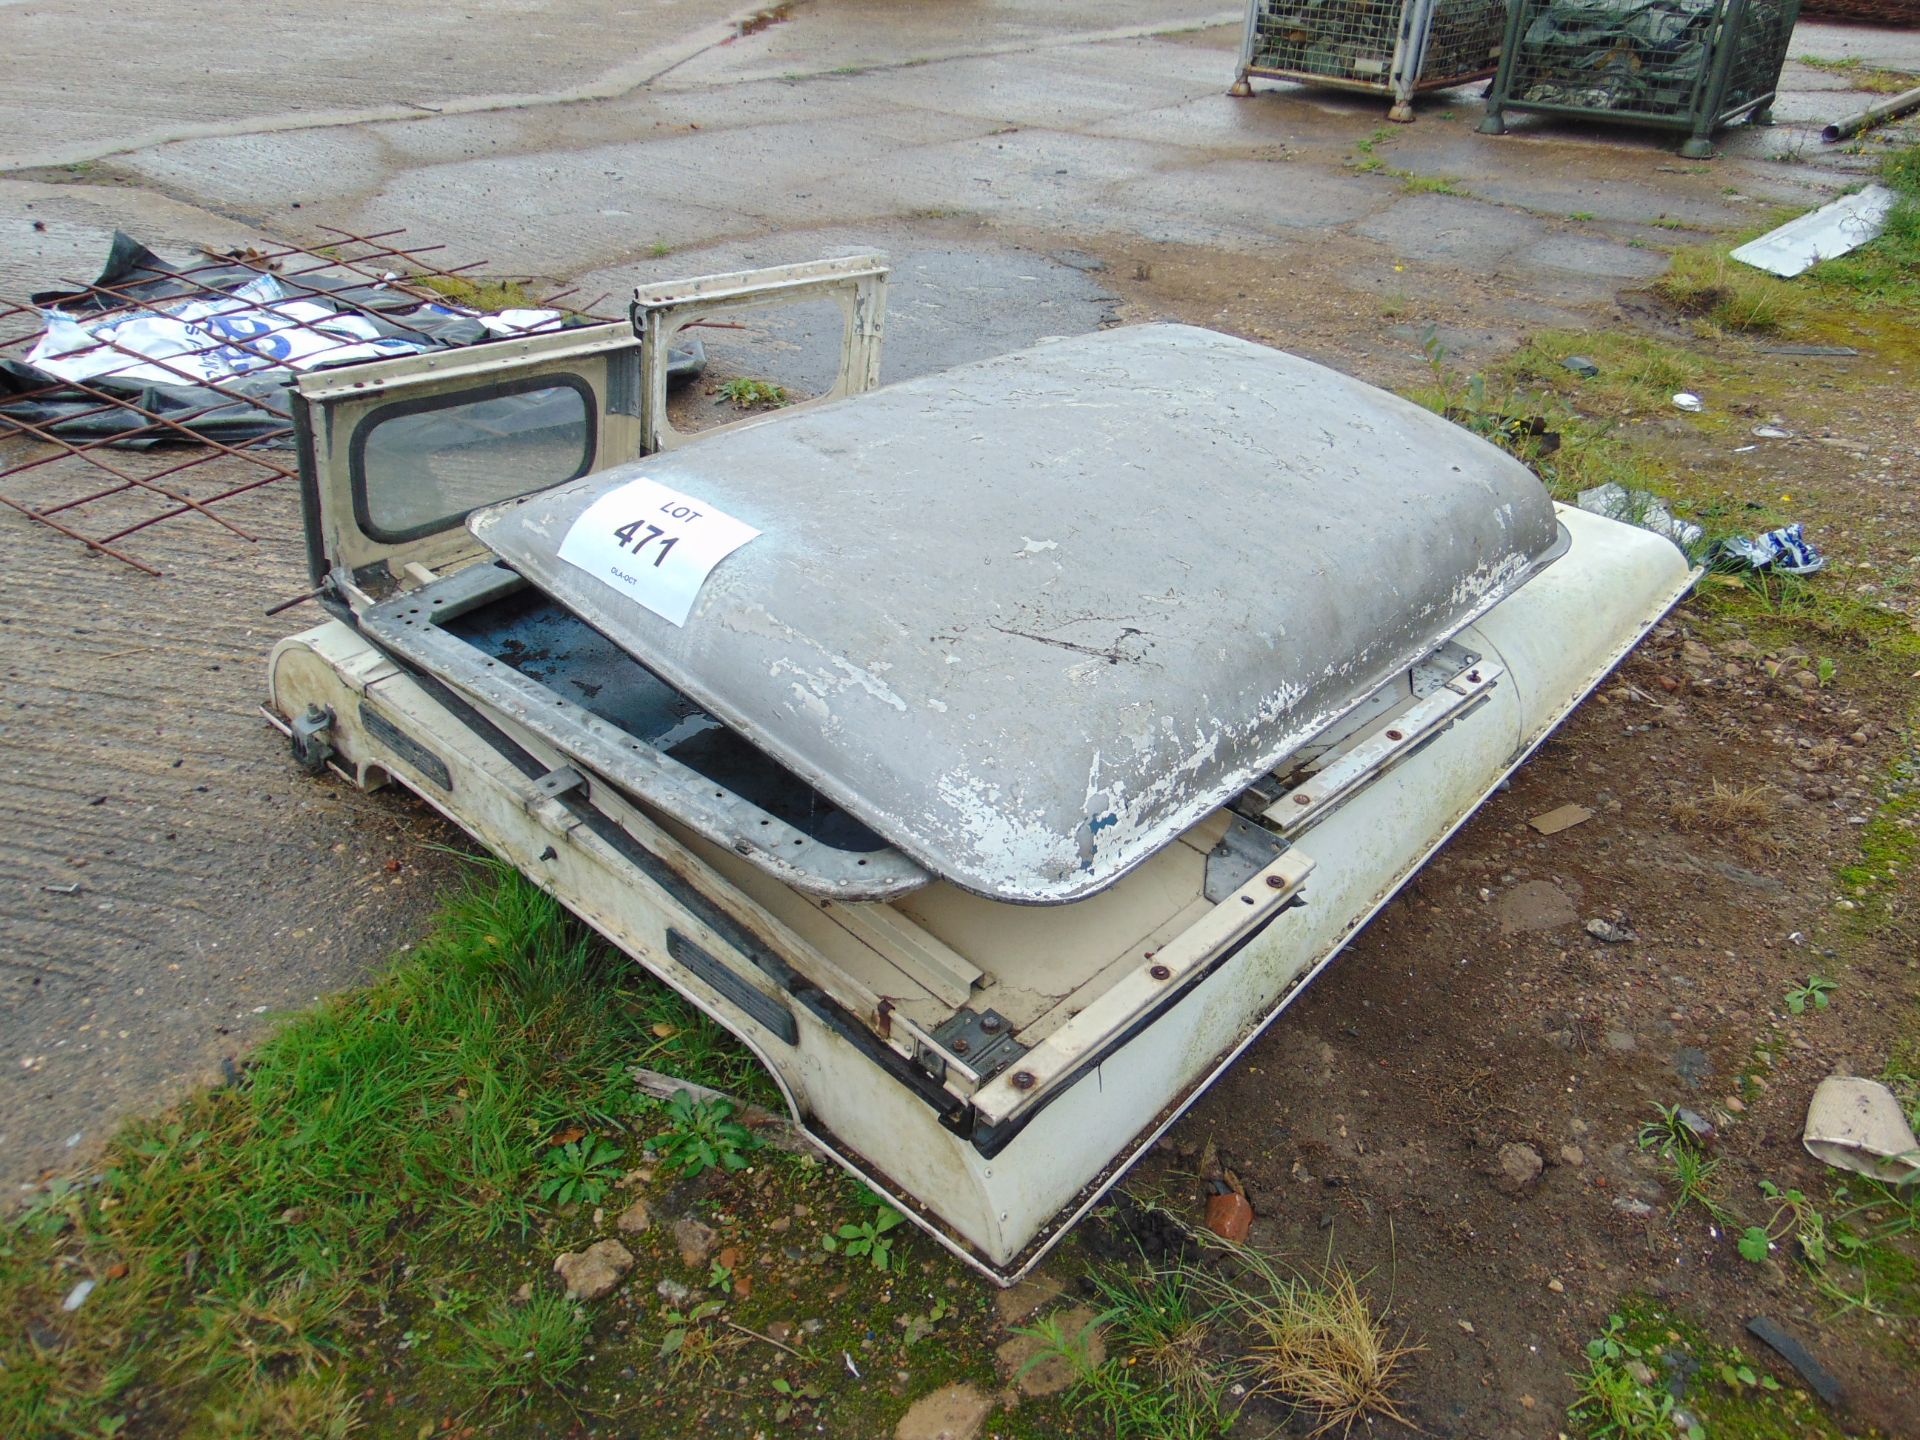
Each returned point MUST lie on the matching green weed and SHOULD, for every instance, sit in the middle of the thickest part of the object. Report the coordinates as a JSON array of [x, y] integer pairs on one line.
[[868, 1237], [696, 1339], [1666, 1132], [1130, 1400], [701, 1136], [1163, 1325], [581, 1171], [747, 394], [1695, 1180], [1815, 992], [1609, 1402], [522, 1349]]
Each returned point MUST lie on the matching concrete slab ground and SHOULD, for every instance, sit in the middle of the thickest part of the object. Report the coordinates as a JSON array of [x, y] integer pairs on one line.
[[1035, 166]]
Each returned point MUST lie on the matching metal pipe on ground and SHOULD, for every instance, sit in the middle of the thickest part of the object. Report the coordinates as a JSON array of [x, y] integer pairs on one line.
[[1889, 109]]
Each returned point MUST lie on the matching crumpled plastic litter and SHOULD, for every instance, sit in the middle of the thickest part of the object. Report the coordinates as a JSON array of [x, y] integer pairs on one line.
[[1856, 1124], [259, 331], [1786, 551], [255, 328], [1642, 508]]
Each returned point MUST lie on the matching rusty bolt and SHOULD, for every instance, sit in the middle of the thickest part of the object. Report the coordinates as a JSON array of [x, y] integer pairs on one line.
[[1303, 799], [1395, 735], [1274, 882], [1159, 972], [990, 1024], [1023, 1080], [961, 1047]]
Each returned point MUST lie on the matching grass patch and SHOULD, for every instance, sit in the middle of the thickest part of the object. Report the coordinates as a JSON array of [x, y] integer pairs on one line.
[[1883, 274], [1811, 612], [1649, 1363], [1526, 406], [1191, 1334], [746, 394], [1164, 1380], [1318, 1343], [1703, 283], [1862, 76], [1880, 878], [1429, 184], [489, 297], [245, 1246]]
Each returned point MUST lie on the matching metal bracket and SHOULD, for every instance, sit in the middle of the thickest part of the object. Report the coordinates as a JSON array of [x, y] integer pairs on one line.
[[1243, 852], [560, 781], [1309, 802], [1440, 668], [984, 1039], [309, 737]]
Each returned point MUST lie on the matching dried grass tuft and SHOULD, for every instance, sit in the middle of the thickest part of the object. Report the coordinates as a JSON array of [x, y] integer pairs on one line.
[[1314, 1340]]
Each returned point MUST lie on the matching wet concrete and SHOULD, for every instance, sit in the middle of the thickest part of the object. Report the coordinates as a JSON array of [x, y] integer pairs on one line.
[[1002, 151]]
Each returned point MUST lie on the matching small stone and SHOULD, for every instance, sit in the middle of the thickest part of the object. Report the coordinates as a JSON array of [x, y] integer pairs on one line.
[[1556, 1287], [1466, 1325], [781, 1330], [1621, 1040], [1229, 1216], [1735, 1105], [812, 1327], [954, 1412], [636, 1219], [1607, 932], [1698, 1124], [524, 1293], [593, 1272], [782, 1225], [695, 1241], [673, 1292], [1518, 1167], [1627, 1205], [1572, 1155]]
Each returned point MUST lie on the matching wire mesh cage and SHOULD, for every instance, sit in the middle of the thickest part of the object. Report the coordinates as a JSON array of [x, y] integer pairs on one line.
[[1397, 48], [1693, 65]]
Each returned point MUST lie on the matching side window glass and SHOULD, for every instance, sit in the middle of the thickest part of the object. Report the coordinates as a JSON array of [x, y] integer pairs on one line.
[[419, 466]]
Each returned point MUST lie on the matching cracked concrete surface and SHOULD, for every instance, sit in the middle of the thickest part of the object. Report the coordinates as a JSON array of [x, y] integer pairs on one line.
[[1003, 150]]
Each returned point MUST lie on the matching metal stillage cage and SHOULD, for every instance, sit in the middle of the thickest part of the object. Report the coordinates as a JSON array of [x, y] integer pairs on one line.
[[1693, 65], [1385, 47]]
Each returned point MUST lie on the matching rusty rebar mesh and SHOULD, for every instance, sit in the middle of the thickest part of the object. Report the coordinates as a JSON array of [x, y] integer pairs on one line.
[[146, 468]]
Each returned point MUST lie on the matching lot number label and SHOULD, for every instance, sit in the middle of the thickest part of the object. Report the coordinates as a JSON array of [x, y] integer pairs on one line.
[[654, 545]]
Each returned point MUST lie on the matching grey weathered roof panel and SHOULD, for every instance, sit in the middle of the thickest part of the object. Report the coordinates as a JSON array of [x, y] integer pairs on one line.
[[1031, 618]]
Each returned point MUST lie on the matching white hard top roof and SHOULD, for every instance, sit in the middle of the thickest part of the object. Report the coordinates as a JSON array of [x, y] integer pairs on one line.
[[1031, 618]]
